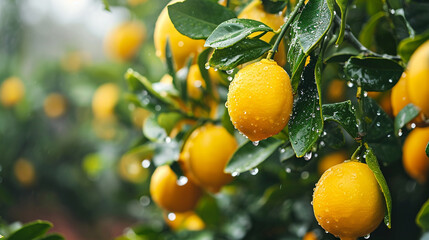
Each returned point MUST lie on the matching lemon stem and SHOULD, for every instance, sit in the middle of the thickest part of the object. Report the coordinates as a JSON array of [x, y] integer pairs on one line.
[[284, 29], [356, 153]]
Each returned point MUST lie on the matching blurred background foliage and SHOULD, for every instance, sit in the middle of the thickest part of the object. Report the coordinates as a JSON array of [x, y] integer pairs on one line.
[[64, 143]]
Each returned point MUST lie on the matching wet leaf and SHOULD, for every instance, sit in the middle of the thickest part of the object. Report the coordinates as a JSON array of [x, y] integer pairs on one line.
[[373, 73], [342, 4], [286, 153], [341, 53], [249, 156], [203, 58], [274, 6], [388, 149], [379, 124], [52, 237], [332, 136], [193, 19], [233, 31], [244, 51], [366, 36], [295, 57], [342, 113], [169, 60], [314, 22], [372, 162], [153, 131], [422, 218], [406, 114], [166, 152], [226, 122], [407, 46], [30, 230], [306, 124]]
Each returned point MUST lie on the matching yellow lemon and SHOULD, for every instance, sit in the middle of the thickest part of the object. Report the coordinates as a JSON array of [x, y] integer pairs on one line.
[[184, 221], [399, 97], [347, 201], [414, 158], [124, 41], [24, 172], [131, 169], [104, 100], [54, 105], [11, 91], [169, 195], [260, 100], [331, 160], [418, 75]]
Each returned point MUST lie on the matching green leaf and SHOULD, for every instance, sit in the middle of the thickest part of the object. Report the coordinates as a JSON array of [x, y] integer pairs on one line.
[[146, 95], [388, 149], [427, 149], [169, 60], [306, 123], [341, 53], [407, 46], [30, 230], [342, 113], [244, 51], [203, 58], [153, 131], [169, 120], [372, 162], [274, 6], [234, 30], [379, 124], [406, 114], [226, 122], [422, 218], [373, 73], [198, 18], [52, 237], [366, 35], [314, 22], [295, 57], [286, 153], [342, 4], [249, 156], [332, 136], [106, 5], [166, 152]]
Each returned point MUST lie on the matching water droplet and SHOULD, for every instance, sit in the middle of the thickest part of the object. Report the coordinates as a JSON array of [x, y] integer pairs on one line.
[[229, 71], [235, 174], [157, 108], [207, 66], [400, 132], [365, 94], [254, 171], [288, 170], [305, 175], [145, 163], [144, 201], [180, 43], [171, 216], [378, 113], [182, 180], [378, 124], [349, 84], [413, 125], [282, 150], [390, 80], [168, 139], [307, 156], [326, 231], [322, 143], [255, 143], [367, 236], [311, 202], [229, 78]]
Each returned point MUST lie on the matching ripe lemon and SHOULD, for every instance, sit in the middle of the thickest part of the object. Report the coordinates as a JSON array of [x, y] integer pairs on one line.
[[130, 168], [310, 236], [54, 105], [139, 115], [104, 100], [167, 194], [336, 90], [414, 158], [331, 160], [205, 155], [24, 172], [195, 82], [418, 75], [123, 42], [182, 47], [184, 221], [399, 97], [260, 100], [11, 91], [255, 11], [347, 201]]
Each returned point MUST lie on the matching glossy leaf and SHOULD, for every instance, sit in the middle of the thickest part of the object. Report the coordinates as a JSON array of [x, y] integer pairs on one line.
[[372, 162], [193, 19], [52, 237], [146, 95], [342, 4], [203, 58], [274, 6], [378, 123], [366, 35], [341, 53], [153, 131], [427, 149], [314, 22], [406, 114], [226, 122], [286, 153], [169, 120], [295, 57], [169, 60], [422, 218], [306, 124], [407, 46], [387, 149], [249, 156], [241, 52], [30, 230], [332, 136], [233, 31], [166, 152], [373, 73], [342, 113]]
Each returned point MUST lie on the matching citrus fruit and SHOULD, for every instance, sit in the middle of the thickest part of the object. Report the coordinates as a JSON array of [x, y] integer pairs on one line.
[[399, 97], [195, 82], [54, 105], [169, 195], [11, 91], [184, 221], [205, 155], [414, 158], [418, 75], [260, 100], [310, 236], [347, 201], [182, 47], [336, 90], [104, 100], [130, 168], [331, 160], [255, 11], [124, 41], [24, 172]]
